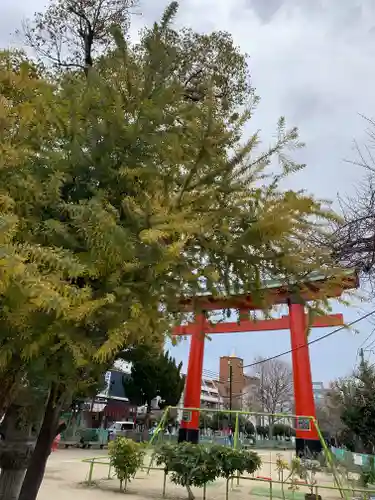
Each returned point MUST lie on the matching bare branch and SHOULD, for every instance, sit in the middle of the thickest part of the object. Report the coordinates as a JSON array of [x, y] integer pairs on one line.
[[274, 392], [71, 33], [352, 240]]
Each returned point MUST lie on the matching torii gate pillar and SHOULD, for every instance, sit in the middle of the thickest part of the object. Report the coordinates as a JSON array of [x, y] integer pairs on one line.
[[306, 433], [189, 429]]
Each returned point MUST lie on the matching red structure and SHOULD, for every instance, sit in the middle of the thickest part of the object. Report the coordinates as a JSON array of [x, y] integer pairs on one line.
[[296, 322]]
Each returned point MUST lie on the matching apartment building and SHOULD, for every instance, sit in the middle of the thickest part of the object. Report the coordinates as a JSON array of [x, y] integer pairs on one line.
[[210, 395]]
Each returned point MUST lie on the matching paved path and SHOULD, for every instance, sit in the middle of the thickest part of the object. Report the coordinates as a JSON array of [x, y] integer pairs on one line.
[[65, 471], [66, 474]]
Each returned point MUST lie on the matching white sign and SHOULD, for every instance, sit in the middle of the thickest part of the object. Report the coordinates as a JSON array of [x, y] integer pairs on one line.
[[186, 416], [107, 380]]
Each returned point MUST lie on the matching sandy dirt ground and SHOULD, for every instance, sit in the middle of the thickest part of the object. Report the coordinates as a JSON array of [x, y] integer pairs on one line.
[[66, 479]]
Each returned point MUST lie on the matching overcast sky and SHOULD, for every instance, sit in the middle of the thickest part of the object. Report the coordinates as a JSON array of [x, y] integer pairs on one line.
[[313, 62]]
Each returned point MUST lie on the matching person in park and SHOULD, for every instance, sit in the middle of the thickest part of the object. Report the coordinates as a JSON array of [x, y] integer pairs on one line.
[[61, 428], [230, 436], [56, 442]]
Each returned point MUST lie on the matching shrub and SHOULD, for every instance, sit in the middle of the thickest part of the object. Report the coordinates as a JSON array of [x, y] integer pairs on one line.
[[126, 458], [282, 430], [205, 421], [230, 460], [195, 465], [189, 465], [262, 431], [249, 428], [308, 470], [219, 420]]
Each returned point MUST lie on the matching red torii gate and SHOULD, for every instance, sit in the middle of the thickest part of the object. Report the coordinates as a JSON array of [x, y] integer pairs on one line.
[[296, 321]]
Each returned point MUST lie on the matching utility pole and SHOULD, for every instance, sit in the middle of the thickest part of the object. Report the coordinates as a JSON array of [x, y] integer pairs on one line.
[[362, 356], [230, 389], [261, 395]]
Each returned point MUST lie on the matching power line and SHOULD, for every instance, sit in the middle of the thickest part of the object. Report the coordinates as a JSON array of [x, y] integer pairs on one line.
[[367, 338], [337, 330], [365, 316], [362, 344]]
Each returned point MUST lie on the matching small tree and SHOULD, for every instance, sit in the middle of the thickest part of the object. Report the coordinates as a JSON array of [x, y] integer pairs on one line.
[[126, 458], [231, 460], [219, 421], [190, 465], [282, 430], [205, 421], [281, 466], [249, 428], [195, 465], [262, 430], [307, 472]]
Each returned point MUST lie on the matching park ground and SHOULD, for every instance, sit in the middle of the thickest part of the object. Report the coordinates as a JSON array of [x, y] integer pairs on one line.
[[66, 479]]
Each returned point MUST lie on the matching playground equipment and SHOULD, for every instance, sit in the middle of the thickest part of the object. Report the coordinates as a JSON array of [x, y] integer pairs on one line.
[[272, 294], [263, 487], [270, 491], [157, 438], [260, 487], [235, 415]]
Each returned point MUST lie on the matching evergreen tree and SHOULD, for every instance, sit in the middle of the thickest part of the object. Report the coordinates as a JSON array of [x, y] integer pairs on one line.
[[358, 411], [153, 374], [348, 409]]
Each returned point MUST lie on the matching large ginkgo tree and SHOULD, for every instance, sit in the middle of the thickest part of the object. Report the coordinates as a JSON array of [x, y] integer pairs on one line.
[[125, 186]]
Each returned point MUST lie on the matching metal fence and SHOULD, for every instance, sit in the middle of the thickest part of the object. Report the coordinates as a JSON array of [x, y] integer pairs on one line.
[[262, 487], [314, 489], [355, 461]]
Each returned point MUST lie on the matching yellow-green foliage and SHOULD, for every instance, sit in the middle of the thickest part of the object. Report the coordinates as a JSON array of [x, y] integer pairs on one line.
[[281, 464], [126, 458], [122, 190]]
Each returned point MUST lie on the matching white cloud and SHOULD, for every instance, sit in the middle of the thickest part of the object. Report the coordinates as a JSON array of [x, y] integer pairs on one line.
[[311, 61]]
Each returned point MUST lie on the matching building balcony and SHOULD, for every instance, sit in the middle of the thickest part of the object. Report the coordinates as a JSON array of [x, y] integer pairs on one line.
[[210, 399], [207, 388]]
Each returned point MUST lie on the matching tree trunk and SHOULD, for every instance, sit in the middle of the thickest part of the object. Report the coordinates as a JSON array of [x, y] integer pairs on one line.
[[146, 422], [190, 492], [271, 423], [9, 385], [10, 483], [148, 416], [15, 452], [35, 471]]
